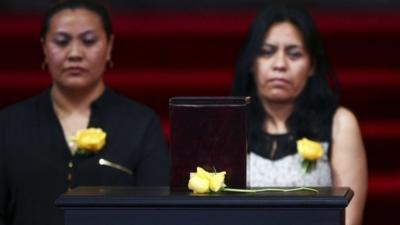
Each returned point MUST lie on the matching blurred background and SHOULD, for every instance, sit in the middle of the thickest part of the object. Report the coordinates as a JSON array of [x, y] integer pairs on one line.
[[166, 48], [207, 4]]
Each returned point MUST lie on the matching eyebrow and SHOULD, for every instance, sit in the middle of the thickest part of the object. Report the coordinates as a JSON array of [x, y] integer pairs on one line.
[[290, 46], [62, 33], [264, 44], [294, 46], [80, 35], [86, 32]]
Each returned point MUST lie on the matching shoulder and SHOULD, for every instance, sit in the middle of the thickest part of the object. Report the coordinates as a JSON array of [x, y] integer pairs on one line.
[[22, 109], [129, 110], [344, 117], [130, 119], [132, 106], [344, 123]]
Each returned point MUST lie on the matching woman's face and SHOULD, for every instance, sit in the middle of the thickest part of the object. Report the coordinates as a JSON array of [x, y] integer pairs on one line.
[[283, 67], [76, 49]]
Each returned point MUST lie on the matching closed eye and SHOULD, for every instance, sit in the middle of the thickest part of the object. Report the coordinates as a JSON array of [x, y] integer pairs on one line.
[[61, 40], [88, 38], [294, 52], [267, 50]]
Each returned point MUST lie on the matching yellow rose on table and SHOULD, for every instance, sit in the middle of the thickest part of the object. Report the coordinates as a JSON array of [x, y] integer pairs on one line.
[[309, 150], [203, 182], [217, 181], [198, 184], [90, 140]]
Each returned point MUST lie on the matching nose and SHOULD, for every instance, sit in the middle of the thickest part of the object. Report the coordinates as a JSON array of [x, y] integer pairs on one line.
[[75, 52], [280, 63]]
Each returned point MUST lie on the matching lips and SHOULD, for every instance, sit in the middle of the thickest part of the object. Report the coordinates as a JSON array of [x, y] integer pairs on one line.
[[75, 70], [278, 81]]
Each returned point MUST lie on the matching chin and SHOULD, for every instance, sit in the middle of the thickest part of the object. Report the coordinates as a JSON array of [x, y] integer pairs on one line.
[[276, 93], [76, 85]]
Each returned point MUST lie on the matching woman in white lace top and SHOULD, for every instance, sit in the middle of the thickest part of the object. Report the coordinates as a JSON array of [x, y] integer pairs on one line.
[[283, 68]]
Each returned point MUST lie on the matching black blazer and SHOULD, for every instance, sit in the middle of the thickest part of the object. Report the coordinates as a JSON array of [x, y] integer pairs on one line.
[[36, 165]]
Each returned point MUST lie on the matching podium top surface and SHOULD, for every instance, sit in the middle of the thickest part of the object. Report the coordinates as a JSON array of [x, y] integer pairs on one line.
[[98, 196]]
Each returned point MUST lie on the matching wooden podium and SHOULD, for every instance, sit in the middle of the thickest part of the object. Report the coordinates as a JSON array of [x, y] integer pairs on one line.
[[163, 206]]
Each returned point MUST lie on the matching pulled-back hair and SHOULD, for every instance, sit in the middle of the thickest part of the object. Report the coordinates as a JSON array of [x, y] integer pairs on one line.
[[318, 101], [94, 7]]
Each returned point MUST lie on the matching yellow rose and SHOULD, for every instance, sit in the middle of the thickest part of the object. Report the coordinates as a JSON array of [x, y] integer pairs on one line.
[[203, 173], [309, 150], [217, 181], [90, 140], [198, 184], [204, 182]]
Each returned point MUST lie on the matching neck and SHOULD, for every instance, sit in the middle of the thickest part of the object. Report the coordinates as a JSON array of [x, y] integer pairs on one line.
[[278, 114], [67, 102]]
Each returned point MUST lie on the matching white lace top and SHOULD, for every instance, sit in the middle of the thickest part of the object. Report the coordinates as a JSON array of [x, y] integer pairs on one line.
[[287, 171]]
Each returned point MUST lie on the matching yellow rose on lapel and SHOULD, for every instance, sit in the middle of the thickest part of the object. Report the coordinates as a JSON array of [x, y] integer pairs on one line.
[[90, 140], [309, 150]]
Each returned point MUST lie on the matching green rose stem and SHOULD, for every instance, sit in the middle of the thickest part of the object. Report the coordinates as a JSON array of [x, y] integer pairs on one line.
[[269, 190], [307, 165]]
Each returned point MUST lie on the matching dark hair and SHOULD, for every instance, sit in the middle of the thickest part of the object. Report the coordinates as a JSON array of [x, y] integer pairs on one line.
[[94, 7], [318, 101]]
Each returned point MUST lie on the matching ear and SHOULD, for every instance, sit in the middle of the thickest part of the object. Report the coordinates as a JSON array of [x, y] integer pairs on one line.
[[253, 67], [110, 47]]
